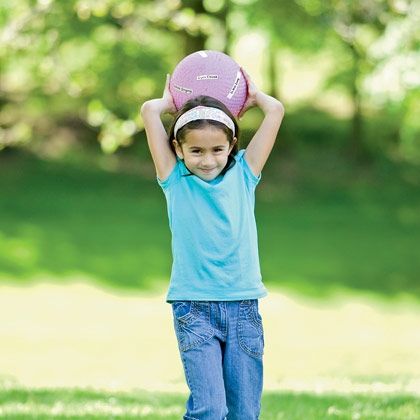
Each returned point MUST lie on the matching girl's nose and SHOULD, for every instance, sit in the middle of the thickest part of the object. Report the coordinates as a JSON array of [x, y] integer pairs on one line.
[[207, 160]]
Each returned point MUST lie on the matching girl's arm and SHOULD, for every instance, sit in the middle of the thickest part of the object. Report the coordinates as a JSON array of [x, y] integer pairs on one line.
[[262, 142], [157, 138]]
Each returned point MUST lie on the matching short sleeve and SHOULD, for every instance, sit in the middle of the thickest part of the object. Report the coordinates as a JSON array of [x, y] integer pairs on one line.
[[171, 178], [251, 178]]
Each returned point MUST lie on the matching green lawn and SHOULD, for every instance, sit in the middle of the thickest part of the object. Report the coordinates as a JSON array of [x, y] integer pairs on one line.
[[75, 403], [322, 224]]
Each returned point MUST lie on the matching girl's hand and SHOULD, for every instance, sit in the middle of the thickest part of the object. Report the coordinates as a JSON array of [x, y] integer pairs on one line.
[[251, 99], [258, 98], [162, 105], [167, 99]]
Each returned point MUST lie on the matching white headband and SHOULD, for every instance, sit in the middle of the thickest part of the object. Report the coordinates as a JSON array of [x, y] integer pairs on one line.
[[204, 113]]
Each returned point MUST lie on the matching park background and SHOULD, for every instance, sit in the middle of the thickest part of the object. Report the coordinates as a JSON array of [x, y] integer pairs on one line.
[[84, 239]]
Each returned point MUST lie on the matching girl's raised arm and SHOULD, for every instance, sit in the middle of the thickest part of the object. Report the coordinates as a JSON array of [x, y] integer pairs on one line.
[[261, 144], [157, 138]]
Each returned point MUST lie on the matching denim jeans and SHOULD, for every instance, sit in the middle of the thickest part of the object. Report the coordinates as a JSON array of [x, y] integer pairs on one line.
[[221, 346]]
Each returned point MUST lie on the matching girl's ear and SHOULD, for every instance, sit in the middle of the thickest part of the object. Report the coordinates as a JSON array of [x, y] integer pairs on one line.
[[232, 144], [178, 149]]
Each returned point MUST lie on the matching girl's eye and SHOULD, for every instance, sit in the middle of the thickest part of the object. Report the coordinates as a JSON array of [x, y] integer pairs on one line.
[[218, 150]]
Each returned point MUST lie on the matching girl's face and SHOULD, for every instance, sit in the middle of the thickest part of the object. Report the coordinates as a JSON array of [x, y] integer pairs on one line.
[[205, 151]]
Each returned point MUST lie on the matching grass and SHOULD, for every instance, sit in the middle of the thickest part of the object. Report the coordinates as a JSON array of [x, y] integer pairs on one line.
[[18, 403], [323, 224]]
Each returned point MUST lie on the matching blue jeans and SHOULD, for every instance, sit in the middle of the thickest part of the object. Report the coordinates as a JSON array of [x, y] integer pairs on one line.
[[221, 346]]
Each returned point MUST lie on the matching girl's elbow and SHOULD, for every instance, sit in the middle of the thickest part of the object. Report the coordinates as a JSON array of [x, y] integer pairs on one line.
[[275, 108], [280, 108], [145, 107], [152, 106]]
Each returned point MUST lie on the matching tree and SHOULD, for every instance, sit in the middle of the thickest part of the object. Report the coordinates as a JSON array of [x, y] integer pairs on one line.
[[84, 66], [349, 27]]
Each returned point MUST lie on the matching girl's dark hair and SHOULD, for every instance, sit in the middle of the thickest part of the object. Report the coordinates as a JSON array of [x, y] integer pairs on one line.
[[204, 101]]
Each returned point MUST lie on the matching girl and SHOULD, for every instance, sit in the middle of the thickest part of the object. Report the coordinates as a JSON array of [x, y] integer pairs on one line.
[[215, 282]]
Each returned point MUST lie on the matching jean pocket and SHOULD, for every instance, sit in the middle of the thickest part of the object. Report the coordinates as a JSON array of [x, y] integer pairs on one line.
[[192, 327], [250, 329], [183, 311]]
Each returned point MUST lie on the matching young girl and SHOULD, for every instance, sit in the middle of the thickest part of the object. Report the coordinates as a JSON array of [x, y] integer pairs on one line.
[[216, 281]]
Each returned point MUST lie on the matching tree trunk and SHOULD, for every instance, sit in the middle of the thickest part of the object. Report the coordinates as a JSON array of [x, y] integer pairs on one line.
[[356, 141], [197, 42], [222, 16], [193, 43]]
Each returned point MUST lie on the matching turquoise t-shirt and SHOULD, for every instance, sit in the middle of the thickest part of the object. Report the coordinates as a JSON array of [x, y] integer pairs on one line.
[[214, 234]]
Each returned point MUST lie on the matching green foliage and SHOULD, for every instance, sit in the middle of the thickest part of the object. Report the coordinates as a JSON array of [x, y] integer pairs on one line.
[[373, 43], [64, 60], [80, 69]]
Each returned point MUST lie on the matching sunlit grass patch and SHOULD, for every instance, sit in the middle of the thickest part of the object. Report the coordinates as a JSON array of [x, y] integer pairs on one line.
[[298, 406], [77, 403], [85, 403], [76, 336]]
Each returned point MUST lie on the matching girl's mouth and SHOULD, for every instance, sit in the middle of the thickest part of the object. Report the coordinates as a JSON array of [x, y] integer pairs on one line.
[[208, 170]]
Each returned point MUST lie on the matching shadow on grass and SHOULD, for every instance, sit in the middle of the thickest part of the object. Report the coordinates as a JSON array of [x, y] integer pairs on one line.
[[72, 403], [315, 233]]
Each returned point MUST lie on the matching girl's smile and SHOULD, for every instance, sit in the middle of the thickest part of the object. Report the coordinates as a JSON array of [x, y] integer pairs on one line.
[[205, 151]]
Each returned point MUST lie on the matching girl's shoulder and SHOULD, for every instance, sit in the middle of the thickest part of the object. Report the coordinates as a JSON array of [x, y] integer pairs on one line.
[[177, 172], [239, 155], [240, 159]]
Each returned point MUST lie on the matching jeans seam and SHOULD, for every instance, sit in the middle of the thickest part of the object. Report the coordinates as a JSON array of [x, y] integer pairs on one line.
[[251, 306], [244, 346], [188, 379]]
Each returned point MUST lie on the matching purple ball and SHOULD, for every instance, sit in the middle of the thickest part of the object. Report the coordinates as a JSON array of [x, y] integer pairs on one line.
[[210, 73]]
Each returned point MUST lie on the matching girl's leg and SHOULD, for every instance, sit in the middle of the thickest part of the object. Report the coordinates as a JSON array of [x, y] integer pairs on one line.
[[201, 356], [243, 360]]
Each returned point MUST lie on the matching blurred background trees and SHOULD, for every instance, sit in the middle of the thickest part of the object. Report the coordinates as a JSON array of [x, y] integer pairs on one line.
[[76, 71]]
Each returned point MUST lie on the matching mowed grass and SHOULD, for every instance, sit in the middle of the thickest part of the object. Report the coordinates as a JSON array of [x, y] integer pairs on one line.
[[323, 223], [90, 404]]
